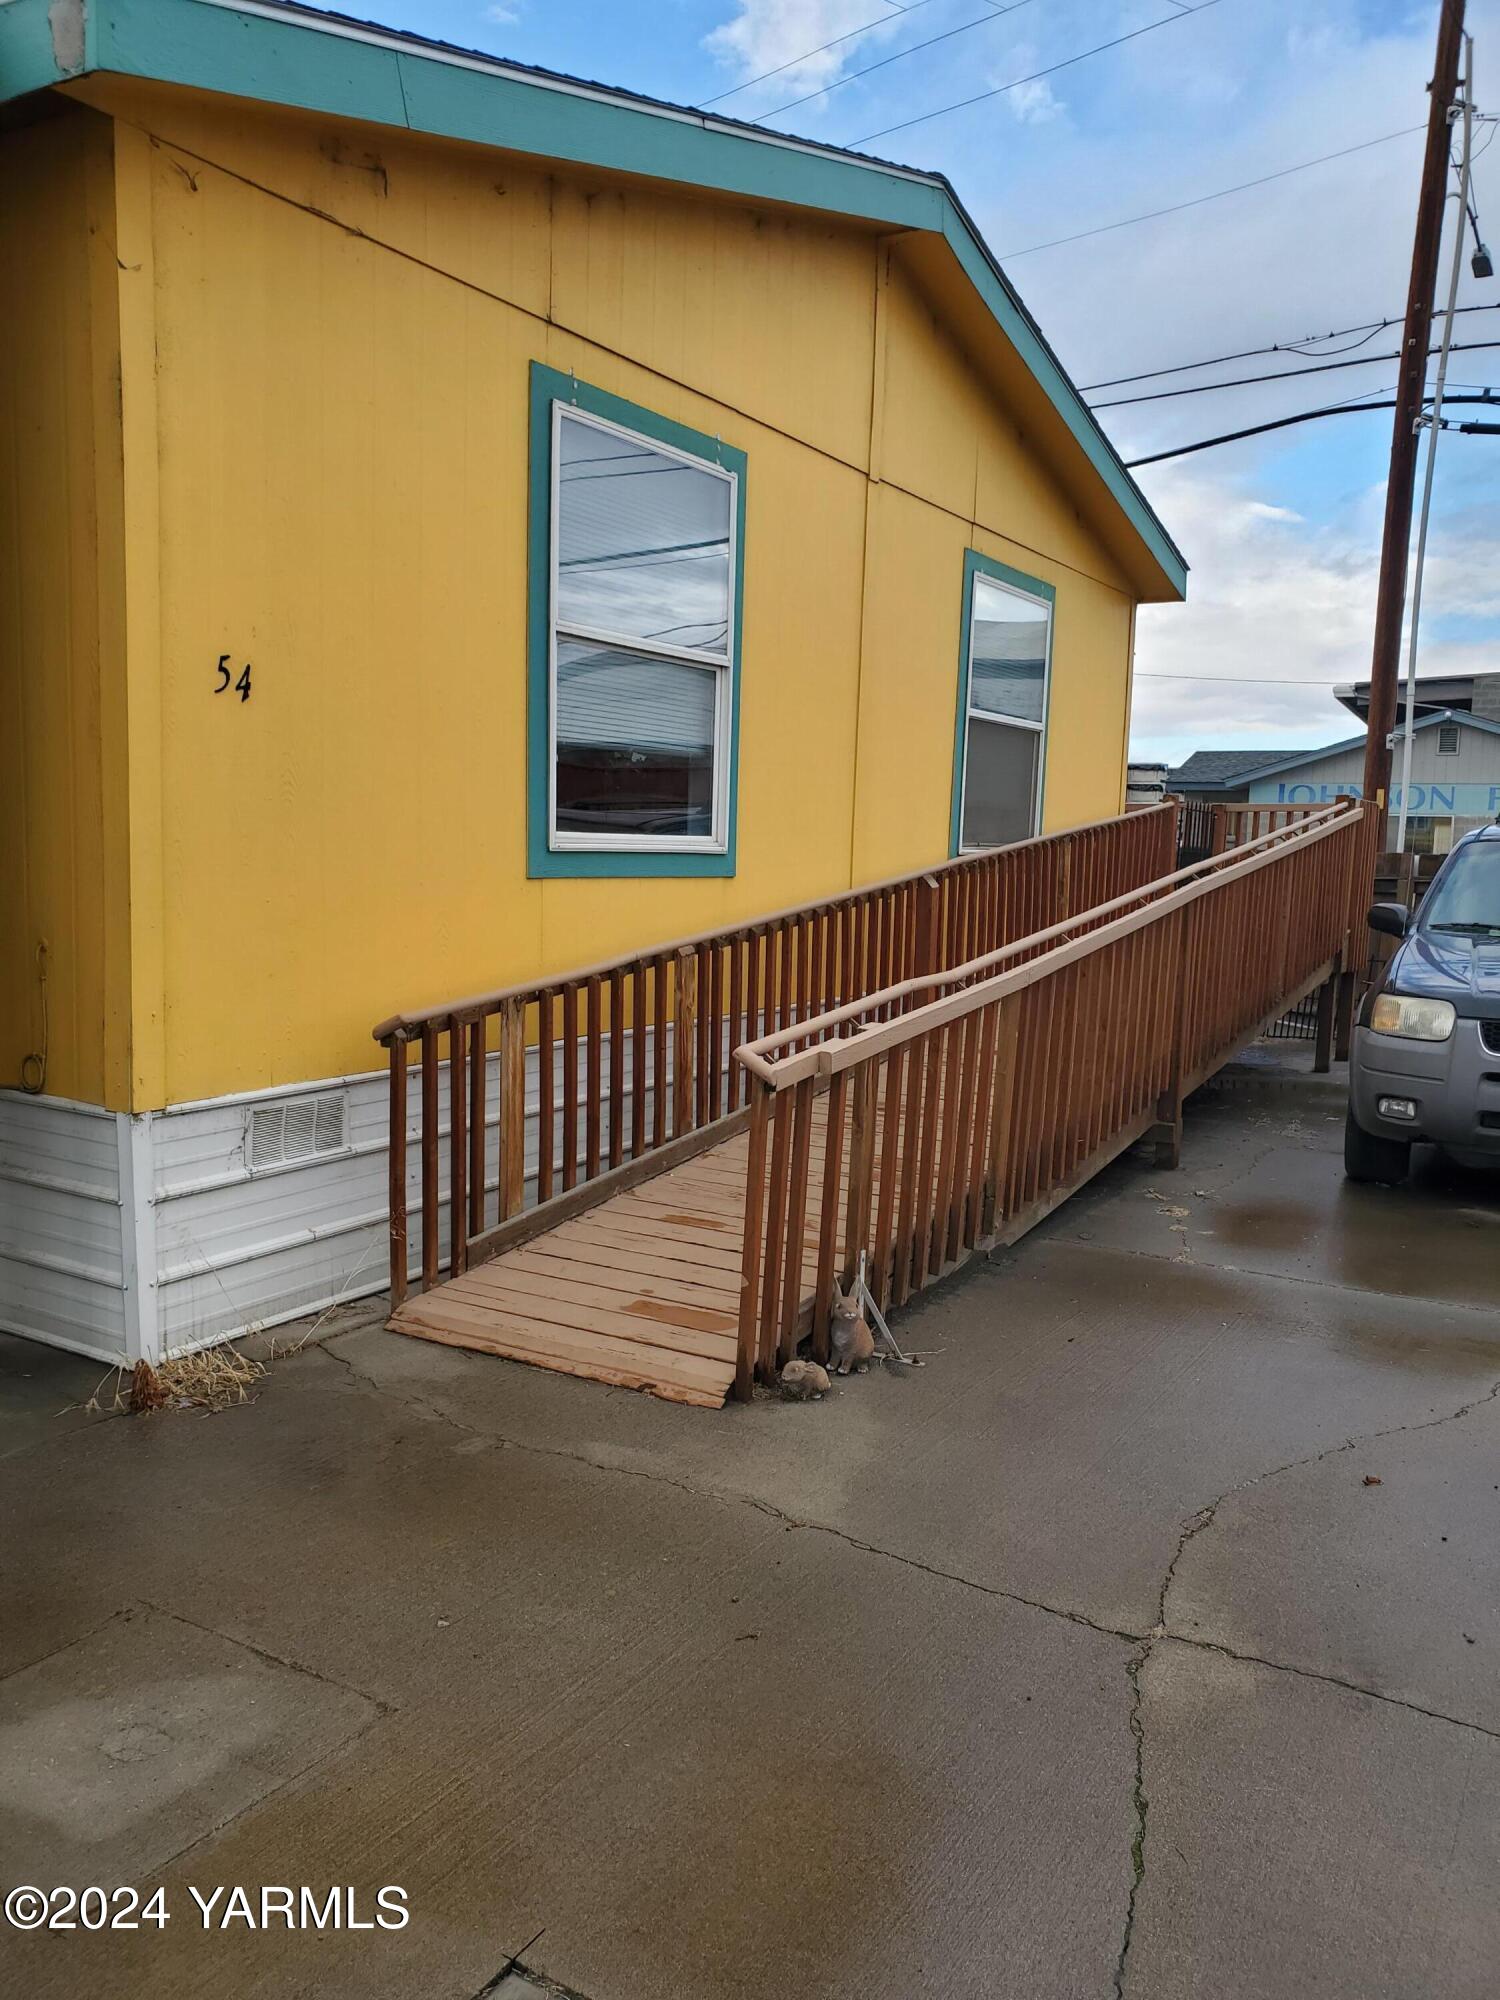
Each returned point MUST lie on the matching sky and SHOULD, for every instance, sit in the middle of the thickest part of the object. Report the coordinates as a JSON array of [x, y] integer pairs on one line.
[[1282, 532]]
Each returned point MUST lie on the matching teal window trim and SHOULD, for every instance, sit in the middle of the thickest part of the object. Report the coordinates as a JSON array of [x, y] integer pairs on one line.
[[1030, 586], [549, 387]]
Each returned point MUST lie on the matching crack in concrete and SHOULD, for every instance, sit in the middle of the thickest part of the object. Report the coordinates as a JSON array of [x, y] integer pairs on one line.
[[1188, 1531], [1334, 1681], [1145, 1642], [1204, 1518], [264, 1653], [727, 1497], [1194, 1525], [1139, 1806]]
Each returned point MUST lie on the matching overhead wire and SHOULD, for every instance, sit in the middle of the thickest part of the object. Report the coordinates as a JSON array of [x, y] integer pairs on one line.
[[1000, 89], [899, 55], [1354, 408], [1196, 201], [792, 62], [1279, 375]]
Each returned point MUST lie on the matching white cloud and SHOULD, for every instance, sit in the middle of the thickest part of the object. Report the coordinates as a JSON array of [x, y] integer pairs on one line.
[[1034, 103], [502, 16], [1275, 600], [765, 34]]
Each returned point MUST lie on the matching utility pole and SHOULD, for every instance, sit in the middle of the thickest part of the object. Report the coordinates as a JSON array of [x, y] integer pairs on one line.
[[1385, 667], [1434, 432]]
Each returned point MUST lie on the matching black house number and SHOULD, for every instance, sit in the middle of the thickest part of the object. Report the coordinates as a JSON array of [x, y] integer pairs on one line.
[[227, 680]]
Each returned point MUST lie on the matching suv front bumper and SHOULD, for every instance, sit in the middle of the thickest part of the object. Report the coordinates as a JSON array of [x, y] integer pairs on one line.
[[1455, 1086]]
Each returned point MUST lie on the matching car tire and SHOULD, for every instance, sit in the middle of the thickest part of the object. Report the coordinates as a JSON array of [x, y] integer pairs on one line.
[[1369, 1158]]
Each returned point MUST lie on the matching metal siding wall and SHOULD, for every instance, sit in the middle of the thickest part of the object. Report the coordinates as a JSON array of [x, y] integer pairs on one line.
[[61, 1261]]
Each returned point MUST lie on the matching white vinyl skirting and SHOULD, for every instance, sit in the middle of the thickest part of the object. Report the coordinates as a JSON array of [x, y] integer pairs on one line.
[[125, 1236]]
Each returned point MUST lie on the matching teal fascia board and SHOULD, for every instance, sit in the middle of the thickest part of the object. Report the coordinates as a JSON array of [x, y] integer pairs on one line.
[[977, 565], [320, 63], [38, 49], [550, 386]]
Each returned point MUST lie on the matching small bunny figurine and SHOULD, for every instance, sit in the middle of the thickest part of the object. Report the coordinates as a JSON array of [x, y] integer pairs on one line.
[[853, 1342], [804, 1381]]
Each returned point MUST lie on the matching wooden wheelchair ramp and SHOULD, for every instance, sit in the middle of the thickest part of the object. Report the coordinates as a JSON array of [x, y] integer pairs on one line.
[[927, 1120], [642, 1291]]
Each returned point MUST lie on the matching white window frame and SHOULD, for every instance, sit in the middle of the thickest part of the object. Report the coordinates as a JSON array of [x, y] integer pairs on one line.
[[1448, 749], [724, 667], [988, 716]]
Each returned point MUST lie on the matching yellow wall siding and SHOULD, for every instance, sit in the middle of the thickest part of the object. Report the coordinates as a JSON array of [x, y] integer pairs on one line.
[[944, 439], [907, 709], [62, 825], [341, 421]]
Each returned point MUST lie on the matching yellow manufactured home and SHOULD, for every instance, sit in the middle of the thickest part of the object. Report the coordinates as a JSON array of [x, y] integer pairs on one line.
[[460, 523]]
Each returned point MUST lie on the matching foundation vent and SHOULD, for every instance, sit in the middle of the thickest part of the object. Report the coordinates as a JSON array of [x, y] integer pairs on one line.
[[300, 1128]]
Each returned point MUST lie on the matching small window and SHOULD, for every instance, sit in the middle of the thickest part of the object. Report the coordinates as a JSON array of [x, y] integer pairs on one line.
[[1447, 739], [642, 585], [1003, 706]]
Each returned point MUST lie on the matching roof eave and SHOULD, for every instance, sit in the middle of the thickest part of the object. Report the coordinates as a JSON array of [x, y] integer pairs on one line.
[[315, 62]]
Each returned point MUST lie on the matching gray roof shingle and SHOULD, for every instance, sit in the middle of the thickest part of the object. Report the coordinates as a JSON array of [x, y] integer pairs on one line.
[[1219, 767]]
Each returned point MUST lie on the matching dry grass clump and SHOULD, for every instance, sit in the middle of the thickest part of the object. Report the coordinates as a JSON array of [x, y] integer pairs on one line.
[[213, 1378]]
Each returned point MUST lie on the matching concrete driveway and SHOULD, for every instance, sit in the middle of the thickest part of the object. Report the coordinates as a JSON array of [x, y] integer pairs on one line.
[[1145, 1642]]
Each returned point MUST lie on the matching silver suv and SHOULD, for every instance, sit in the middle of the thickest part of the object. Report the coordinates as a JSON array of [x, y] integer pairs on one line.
[[1425, 1059]]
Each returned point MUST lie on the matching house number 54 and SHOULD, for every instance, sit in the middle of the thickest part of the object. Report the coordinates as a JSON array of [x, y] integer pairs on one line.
[[227, 680]]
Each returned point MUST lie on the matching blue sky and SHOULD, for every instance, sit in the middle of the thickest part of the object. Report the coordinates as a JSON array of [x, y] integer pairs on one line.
[[1282, 532]]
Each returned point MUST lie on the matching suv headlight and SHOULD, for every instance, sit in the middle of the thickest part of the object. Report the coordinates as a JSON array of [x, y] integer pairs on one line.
[[1418, 1020]]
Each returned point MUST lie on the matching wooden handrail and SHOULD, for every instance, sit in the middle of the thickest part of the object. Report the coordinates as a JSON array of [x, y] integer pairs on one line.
[[826, 1056], [631, 1056], [911, 1136], [487, 1003]]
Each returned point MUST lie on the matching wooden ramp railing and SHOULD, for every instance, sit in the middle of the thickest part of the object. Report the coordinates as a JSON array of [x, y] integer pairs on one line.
[[630, 1059], [954, 1111]]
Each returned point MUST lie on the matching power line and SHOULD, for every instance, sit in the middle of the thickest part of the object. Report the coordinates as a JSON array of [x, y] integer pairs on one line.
[[850, 34], [1243, 680], [885, 61], [1281, 423], [1036, 76], [1280, 375], [1197, 201], [1369, 328]]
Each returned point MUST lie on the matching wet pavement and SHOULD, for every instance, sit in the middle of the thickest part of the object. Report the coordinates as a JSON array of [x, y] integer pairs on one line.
[[1145, 1641]]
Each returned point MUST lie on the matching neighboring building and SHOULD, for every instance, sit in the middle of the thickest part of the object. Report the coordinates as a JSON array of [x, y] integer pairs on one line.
[[1223, 774], [462, 523], [1145, 784], [1473, 694], [1455, 777]]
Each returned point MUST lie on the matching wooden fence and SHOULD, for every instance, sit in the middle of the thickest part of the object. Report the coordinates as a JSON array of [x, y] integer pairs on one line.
[[633, 1055], [952, 1112]]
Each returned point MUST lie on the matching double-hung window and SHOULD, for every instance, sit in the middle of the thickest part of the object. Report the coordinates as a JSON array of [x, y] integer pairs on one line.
[[1004, 679], [642, 534]]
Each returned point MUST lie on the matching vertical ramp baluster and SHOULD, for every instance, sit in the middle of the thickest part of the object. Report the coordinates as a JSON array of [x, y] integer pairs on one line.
[[616, 1067], [684, 1040], [781, 1147], [752, 1249], [429, 1144], [458, 1147], [512, 1108], [397, 1130], [828, 1214], [796, 1222], [570, 1086], [545, 1028], [476, 1123]]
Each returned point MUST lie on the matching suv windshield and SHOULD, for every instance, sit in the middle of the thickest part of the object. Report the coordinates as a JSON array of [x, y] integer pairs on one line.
[[1467, 899]]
